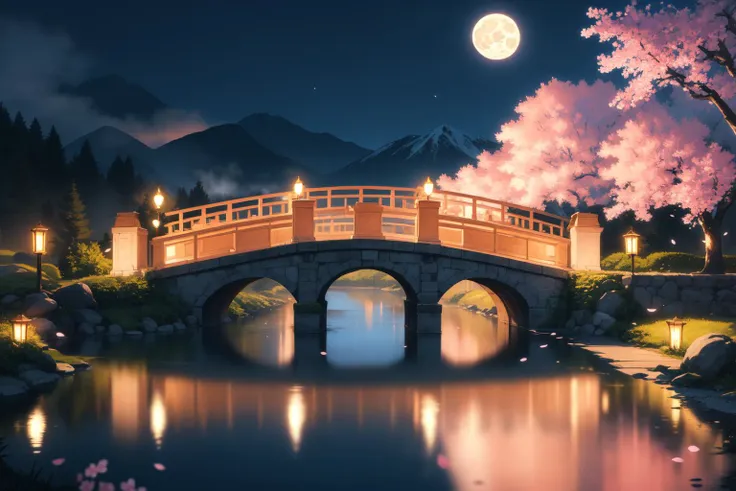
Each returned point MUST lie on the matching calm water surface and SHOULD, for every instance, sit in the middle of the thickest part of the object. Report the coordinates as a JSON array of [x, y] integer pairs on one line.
[[364, 416]]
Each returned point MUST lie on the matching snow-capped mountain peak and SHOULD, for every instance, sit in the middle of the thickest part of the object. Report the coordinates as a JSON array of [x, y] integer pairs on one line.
[[445, 136]]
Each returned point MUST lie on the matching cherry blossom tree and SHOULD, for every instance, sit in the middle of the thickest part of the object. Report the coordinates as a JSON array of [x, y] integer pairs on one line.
[[692, 49], [568, 144]]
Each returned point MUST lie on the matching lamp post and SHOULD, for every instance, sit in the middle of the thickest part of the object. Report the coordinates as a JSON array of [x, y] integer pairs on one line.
[[20, 328], [158, 201], [428, 187], [631, 242], [677, 328], [298, 187], [38, 244]]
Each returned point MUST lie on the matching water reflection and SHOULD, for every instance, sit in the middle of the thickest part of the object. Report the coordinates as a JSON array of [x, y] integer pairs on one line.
[[564, 432], [468, 338]]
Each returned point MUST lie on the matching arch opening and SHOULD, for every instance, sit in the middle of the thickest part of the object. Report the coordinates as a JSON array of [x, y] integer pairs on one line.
[[366, 318], [479, 320], [254, 319]]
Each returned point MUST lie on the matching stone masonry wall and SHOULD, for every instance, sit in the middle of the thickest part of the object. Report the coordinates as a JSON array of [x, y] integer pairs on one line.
[[685, 295]]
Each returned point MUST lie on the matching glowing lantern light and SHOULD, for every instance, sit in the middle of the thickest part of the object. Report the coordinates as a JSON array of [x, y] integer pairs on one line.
[[156, 222], [158, 198], [677, 327], [428, 187], [631, 242], [20, 328], [298, 187], [38, 234]]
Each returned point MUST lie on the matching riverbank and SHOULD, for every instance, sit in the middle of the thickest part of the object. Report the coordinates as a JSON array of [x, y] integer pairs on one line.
[[655, 367]]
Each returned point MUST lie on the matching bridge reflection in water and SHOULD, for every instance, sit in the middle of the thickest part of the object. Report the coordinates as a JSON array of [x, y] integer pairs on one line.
[[563, 432]]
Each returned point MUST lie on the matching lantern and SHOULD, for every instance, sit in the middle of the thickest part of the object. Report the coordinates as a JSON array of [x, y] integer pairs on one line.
[[156, 223], [38, 239], [158, 198], [631, 243], [428, 187], [298, 187], [677, 328], [20, 328]]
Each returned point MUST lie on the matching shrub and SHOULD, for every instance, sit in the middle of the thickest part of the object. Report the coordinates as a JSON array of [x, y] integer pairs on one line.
[[85, 260], [666, 262], [51, 271], [6, 256], [587, 288]]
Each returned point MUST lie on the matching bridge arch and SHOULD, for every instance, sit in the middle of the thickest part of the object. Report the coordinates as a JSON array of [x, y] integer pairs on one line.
[[406, 285]]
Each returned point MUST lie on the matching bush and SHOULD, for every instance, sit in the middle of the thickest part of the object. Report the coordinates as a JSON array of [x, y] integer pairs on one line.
[[51, 271], [665, 262], [587, 288], [85, 260], [25, 282], [6, 256]]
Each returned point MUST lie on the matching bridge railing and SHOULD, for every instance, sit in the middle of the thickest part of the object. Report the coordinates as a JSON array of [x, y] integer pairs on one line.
[[464, 221]]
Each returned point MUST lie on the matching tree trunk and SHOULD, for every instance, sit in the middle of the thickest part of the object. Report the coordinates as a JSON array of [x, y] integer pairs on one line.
[[728, 114], [712, 225]]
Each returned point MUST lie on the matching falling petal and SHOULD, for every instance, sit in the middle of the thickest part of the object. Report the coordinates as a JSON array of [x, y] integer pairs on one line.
[[558, 337], [725, 234], [557, 361], [80, 477], [59, 334], [159, 467], [673, 241], [323, 353], [544, 346], [672, 215], [651, 310], [693, 448], [443, 462], [404, 346], [58, 461], [633, 323], [703, 242], [523, 360], [553, 334], [679, 460]]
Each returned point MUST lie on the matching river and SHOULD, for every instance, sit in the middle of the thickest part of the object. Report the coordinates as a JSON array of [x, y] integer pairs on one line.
[[360, 414]]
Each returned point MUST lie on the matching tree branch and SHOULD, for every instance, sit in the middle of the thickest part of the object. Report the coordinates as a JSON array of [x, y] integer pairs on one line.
[[721, 56], [730, 20]]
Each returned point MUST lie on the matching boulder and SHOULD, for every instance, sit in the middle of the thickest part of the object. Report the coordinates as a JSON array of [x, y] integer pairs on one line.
[[86, 328], [114, 330], [134, 333], [674, 309], [191, 320], [608, 285], [709, 355], [64, 369], [166, 329], [226, 319], [603, 320], [493, 310], [25, 258], [12, 387], [9, 299], [669, 292], [36, 379], [599, 332], [148, 325], [41, 307], [642, 297], [570, 324], [87, 315], [179, 326], [24, 367], [100, 329], [75, 297], [32, 298], [610, 303], [582, 317], [588, 329], [8, 269], [687, 380], [43, 326]]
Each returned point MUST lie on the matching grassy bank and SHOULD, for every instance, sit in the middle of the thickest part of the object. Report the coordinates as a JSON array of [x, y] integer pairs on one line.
[[664, 262], [655, 334], [260, 295]]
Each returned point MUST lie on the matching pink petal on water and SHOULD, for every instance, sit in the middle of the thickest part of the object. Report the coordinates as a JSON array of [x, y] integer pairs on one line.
[[679, 460], [323, 353], [159, 467], [59, 334], [553, 334], [693, 448], [523, 360], [79, 477], [91, 471], [128, 485], [443, 461], [106, 486], [102, 466], [543, 345], [58, 461], [141, 489], [651, 310], [87, 486], [673, 241], [725, 234]]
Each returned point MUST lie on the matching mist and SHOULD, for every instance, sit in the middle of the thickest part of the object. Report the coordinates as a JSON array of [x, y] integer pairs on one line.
[[226, 183], [35, 61]]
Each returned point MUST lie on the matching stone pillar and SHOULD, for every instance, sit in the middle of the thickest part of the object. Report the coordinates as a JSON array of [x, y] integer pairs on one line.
[[302, 221], [585, 242], [310, 317], [428, 221], [429, 318], [308, 349], [368, 221], [129, 245]]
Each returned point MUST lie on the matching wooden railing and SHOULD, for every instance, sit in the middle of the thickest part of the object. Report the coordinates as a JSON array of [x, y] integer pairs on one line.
[[259, 222]]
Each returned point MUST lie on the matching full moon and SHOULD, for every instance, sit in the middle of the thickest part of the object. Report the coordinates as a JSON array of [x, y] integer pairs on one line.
[[496, 36]]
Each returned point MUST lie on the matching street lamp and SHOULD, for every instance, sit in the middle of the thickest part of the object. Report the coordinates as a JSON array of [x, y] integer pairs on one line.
[[631, 242], [20, 328], [428, 187], [677, 328], [156, 223], [158, 199], [298, 187], [38, 244]]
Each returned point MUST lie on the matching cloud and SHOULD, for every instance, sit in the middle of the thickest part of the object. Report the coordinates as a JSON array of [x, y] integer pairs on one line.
[[227, 183], [36, 61]]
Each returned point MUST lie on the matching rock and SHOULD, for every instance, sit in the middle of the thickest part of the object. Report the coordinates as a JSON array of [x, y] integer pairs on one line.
[[148, 325], [726, 303], [610, 303], [36, 379], [100, 329], [661, 368], [114, 330], [32, 298], [64, 369], [493, 310], [179, 326], [709, 355], [226, 319], [166, 329], [640, 375], [133, 333], [642, 297], [697, 301], [674, 309], [687, 380], [599, 332], [8, 269], [588, 329], [191, 320], [41, 307], [86, 328], [608, 285], [570, 324], [81, 365], [9, 299], [12, 387], [75, 297], [87, 315], [669, 292], [24, 367], [663, 377], [582, 317], [603, 320], [43, 326]]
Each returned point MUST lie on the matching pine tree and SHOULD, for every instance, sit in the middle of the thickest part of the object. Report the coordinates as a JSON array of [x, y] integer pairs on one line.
[[121, 176], [75, 222], [54, 160], [85, 170], [146, 214], [198, 196], [182, 199]]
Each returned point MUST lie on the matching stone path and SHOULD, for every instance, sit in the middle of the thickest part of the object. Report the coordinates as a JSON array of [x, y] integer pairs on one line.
[[626, 358]]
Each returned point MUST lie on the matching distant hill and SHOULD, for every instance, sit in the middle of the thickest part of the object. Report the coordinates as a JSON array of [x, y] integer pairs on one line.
[[321, 152], [409, 160], [114, 96], [107, 143]]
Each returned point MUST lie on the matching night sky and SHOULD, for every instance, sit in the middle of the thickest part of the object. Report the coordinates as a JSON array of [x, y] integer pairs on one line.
[[366, 71]]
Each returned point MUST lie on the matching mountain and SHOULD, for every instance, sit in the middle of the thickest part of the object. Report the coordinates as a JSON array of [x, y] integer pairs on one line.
[[114, 96], [228, 161], [409, 160], [322, 152], [107, 143]]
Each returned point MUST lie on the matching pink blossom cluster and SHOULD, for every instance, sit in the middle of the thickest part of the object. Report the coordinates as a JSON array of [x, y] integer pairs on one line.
[[651, 46], [87, 480]]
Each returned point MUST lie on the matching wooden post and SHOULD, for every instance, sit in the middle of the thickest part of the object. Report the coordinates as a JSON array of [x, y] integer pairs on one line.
[[302, 222], [368, 221], [428, 221]]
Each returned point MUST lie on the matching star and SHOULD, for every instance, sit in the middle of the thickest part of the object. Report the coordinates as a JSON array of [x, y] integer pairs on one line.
[[435, 96]]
